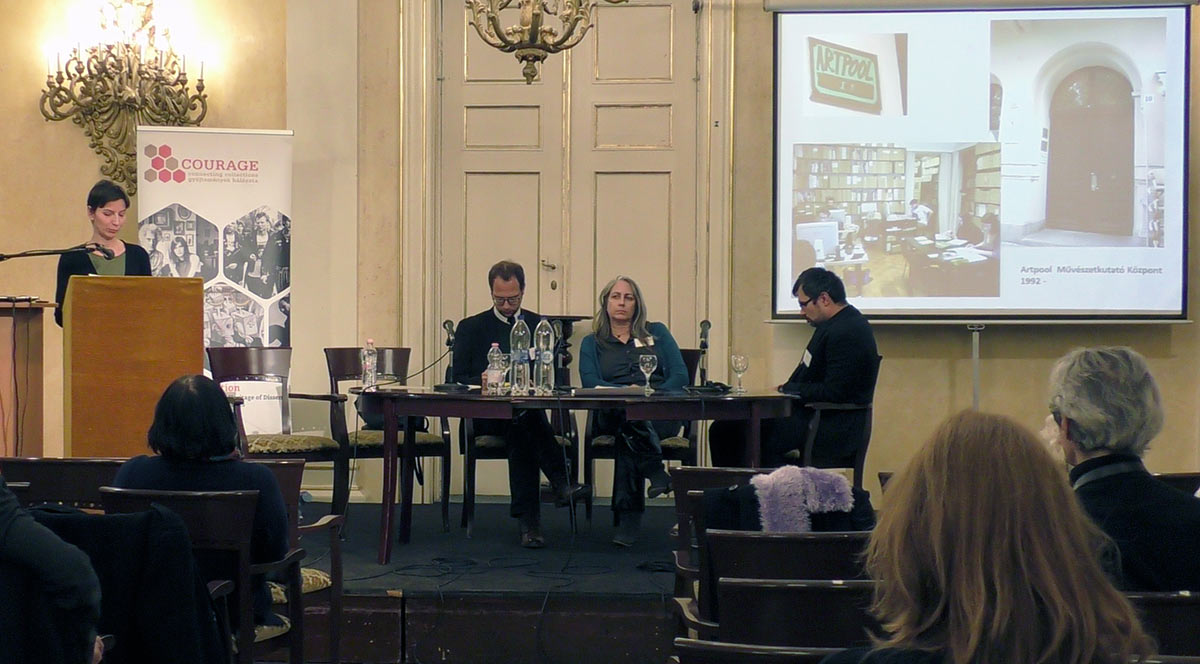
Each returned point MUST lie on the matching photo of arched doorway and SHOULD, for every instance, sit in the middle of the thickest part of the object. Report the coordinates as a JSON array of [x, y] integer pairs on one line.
[[1090, 184]]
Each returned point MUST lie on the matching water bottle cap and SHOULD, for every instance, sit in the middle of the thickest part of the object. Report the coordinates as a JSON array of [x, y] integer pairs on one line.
[[370, 340], [495, 344]]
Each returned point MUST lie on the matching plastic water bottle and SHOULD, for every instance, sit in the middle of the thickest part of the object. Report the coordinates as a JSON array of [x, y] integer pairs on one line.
[[543, 344], [519, 343], [493, 376], [370, 364]]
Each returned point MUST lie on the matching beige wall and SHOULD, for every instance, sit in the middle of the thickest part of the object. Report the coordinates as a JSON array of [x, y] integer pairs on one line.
[[346, 110], [50, 168], [926, 372]]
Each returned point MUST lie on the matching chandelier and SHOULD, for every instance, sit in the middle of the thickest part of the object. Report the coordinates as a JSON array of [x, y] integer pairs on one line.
[[131, 76], [533, 39]]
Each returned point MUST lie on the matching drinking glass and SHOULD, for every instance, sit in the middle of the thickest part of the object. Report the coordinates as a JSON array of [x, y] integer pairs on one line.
[[740, 364], [648, 363]]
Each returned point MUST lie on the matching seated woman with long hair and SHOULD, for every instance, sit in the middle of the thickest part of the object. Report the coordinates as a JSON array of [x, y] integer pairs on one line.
[[194, 436], [983, 556], [609, 356]]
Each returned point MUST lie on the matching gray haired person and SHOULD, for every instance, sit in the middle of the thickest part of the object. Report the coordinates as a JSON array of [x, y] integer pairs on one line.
[[1108, 408]]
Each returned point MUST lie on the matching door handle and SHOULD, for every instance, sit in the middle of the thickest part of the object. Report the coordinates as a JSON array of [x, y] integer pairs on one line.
[[548, 265]]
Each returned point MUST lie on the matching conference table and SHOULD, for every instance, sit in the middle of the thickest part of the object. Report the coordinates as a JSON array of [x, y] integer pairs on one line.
[[413, 403]]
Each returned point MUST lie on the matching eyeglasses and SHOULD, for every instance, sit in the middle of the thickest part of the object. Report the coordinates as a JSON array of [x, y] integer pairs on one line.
[[516, 299], [805, 303]]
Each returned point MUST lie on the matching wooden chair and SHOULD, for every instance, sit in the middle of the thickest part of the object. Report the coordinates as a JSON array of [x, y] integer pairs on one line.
[[475, 447], [684, 480], [885, 476], [272, 365], [223, 521], [289, 473], [758, 555], [820, 409], [345, 364], [21, 491], [696, 651], [1185, 482], [682, 447], [72, 482], [1172, 618], [826, 614]]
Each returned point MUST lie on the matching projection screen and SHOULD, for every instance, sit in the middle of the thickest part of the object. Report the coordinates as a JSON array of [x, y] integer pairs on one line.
[[985, 165]]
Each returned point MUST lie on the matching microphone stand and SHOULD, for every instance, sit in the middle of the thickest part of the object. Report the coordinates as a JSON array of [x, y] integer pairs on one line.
[[704, 360], [450, 387], [48, 252]]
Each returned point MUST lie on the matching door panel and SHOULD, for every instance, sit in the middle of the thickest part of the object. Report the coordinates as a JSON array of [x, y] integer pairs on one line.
[[1090, 166], [586, 173]]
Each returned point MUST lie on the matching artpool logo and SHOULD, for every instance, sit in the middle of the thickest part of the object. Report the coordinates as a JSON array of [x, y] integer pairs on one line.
[[163, 166], [166, 166]]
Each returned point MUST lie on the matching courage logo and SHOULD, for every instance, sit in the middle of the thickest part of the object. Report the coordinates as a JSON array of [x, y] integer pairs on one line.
[[163, 166]]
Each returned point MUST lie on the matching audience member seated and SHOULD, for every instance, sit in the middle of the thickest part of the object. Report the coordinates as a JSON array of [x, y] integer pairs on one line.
[[968, 230], [609, 356], [194, 437], [971, 570], [790, 500], [49, 594], [1108, 408]]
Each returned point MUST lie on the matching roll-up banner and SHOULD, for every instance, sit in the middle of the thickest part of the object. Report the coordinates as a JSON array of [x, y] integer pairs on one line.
[[217, 204]]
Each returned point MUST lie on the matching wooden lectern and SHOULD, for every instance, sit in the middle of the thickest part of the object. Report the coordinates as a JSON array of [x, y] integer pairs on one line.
[[124, 340]]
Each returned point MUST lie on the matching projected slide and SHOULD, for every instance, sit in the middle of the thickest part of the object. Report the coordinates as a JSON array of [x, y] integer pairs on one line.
[[984, 164]]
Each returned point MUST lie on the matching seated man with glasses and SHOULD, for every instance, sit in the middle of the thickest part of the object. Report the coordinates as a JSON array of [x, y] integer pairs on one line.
[[1107, 408], [840, 365], [529, 437]]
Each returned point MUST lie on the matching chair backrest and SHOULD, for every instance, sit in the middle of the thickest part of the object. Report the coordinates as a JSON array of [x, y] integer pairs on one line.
[[220, 521], [255, 364], [1172, 618], [345, 363], [1185, 482], [691, 360], [289, 473], [21, 491], [757, 555], [826, 614], [695, 651], [694, 478], [74, 482], [885, 476]]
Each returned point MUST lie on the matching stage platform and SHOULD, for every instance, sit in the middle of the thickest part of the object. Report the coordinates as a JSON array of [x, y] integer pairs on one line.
[[447, 598]]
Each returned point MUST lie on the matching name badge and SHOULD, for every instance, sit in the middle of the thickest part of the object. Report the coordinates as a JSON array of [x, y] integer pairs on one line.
[[637, 343], [807, 358]]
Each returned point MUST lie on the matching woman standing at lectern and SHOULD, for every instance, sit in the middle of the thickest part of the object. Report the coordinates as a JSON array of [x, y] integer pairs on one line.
[[106, 206]]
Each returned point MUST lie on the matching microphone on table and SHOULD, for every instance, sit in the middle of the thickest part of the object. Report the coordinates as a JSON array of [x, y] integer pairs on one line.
[[96, 246], [705, 326], [448, 326]]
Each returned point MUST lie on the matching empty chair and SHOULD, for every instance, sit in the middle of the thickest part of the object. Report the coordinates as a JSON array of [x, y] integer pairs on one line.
[[1172, 618], [756, 555], [345, 365], [826, 614], [72, 482], [289, 473], [1186, 482], [696, 651]]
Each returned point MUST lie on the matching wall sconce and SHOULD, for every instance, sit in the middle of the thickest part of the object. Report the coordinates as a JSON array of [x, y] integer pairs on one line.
[[532, 40], [131, 77]]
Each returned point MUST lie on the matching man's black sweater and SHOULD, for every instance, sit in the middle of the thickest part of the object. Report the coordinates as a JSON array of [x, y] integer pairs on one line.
[[475, 335]]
